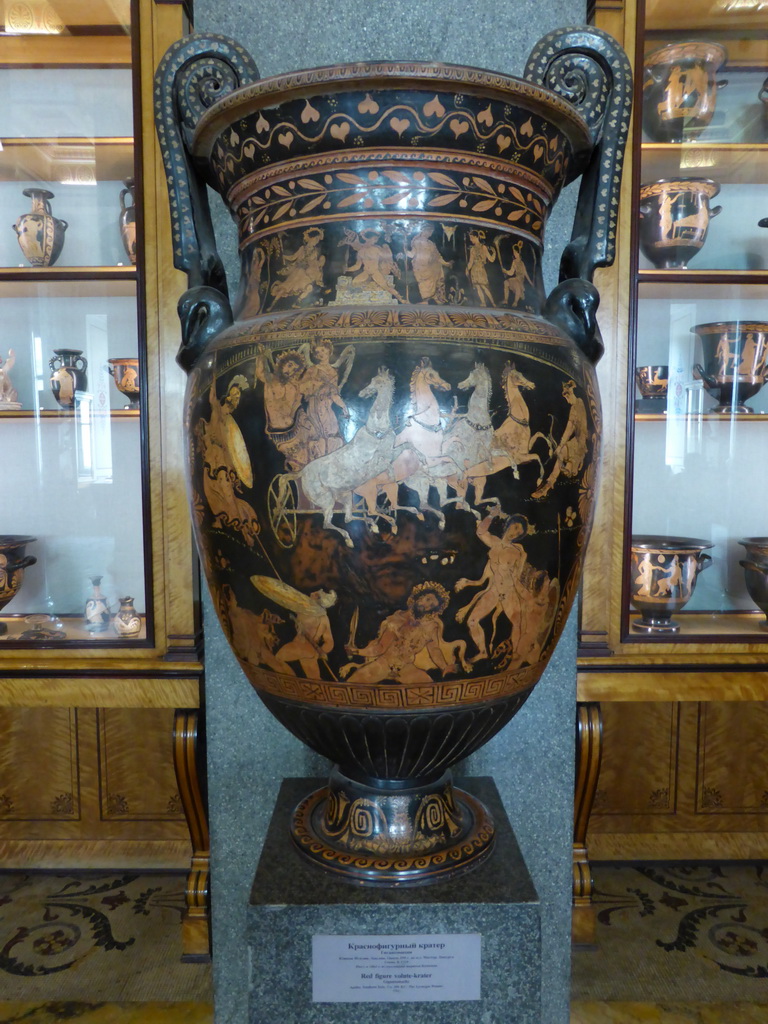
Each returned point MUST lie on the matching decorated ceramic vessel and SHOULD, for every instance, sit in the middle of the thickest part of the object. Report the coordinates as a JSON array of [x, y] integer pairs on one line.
[[393, 430], [674, 220], [13, 562], [40, 234], [652, 381], [755, 567], [756, 549], [125, 373], [126, 622], [68, 376], [96, 613], [127, 220], [734, 368], [663, 574], [680, 90]]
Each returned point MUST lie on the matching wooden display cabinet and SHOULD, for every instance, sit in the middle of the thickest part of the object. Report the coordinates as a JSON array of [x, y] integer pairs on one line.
[[98, 726], [672, 726]]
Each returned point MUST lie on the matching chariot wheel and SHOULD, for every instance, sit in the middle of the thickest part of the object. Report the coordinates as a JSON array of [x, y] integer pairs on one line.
[[282, 511]]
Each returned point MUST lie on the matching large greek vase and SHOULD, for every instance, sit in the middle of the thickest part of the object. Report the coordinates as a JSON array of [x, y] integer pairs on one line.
[[392, 429]]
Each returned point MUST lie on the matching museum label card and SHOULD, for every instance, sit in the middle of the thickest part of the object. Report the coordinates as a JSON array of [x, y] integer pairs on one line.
[[395, 968]]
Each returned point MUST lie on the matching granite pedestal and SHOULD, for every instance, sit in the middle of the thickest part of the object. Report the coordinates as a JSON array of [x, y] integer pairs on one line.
[[293, 901]]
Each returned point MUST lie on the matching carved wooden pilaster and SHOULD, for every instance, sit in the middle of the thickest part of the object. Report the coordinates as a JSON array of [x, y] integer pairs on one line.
[[186, 750], [589, 739]]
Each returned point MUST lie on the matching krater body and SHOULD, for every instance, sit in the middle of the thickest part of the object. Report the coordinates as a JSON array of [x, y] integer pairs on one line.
[[393, 432]]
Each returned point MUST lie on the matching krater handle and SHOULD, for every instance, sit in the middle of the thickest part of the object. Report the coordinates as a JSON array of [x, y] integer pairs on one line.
[[588, 68], [194, 73], [22, 563]]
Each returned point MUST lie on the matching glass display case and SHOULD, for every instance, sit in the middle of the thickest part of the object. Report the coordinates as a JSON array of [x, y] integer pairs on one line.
[[73, 541], [100, 670], [672, 681], [697, 487]]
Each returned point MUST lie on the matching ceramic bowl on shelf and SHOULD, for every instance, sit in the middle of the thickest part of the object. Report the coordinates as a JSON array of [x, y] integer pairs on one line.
[[755, 567], [756, 549], [674, 219], [680, 89], [663, 574], [734, 368], [13, 562], [652, 381]]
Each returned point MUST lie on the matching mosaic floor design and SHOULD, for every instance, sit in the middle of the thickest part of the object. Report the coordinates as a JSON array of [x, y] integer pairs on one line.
[[678, 933], [106, 1013], [95, 936], [648, 1013]]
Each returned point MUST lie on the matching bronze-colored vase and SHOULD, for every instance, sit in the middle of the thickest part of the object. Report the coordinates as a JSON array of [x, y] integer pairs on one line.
[[128, 220], [125, 373], [40, 234], [13, 562], [674, 220], [393, 447], [680, 90], [68, 375], [663, 574], [734, 369]]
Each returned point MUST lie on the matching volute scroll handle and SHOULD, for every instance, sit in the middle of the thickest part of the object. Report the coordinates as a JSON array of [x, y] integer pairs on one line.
[[589, 69], [194, 73]]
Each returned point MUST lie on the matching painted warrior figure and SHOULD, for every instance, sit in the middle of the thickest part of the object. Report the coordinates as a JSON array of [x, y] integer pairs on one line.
[[479, 255], [512, 587], [287, 424], [409, 641], [321, 387], [374, 260], [227, 464], [305, 268], [574, 443], [313, 641], [427, 265]]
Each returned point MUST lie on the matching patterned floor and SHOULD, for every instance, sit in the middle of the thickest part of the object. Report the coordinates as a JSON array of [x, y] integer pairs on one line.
[[106, 1013], [680, 1013], [104, 948], [95, 937], [196, 1013], [673, 933]]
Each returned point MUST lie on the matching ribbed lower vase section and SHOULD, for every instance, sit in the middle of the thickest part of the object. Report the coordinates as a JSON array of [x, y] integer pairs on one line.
[[397, 834]]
